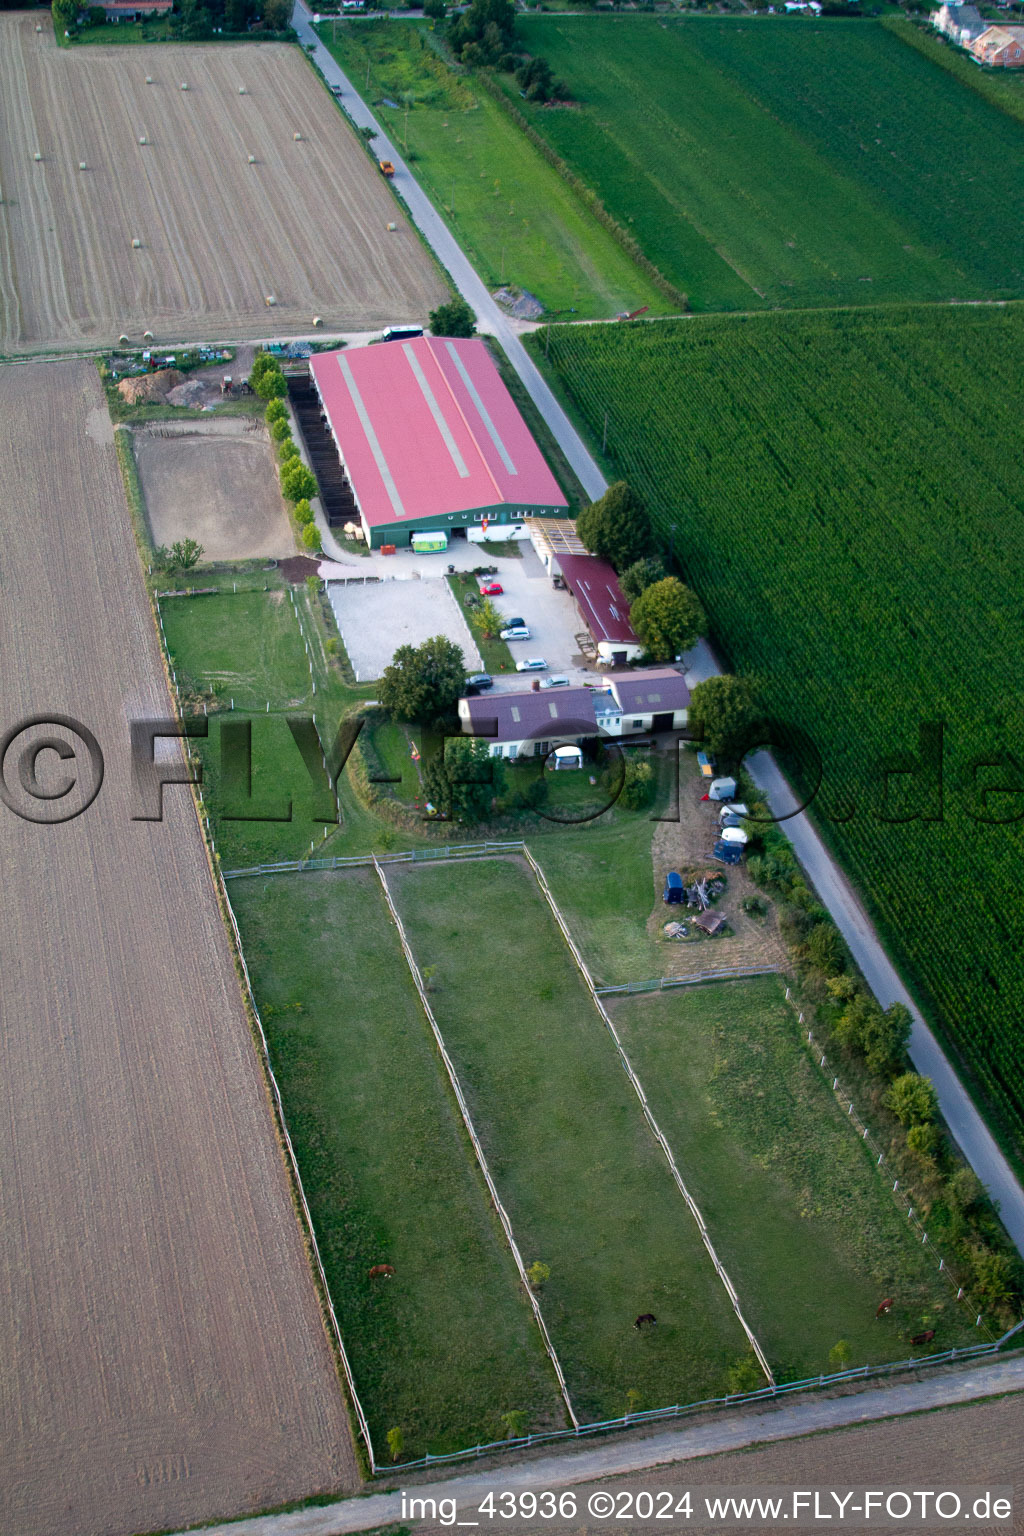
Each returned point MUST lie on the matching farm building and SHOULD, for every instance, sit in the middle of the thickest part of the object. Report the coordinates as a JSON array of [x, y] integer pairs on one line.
[[533, 723], [432, 443], [136, 10], [961, 23], [594, 585], [1000, 46]]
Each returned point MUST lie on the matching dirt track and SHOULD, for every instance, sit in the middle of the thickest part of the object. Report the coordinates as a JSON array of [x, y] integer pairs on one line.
[[307, 223], [164, 1357]]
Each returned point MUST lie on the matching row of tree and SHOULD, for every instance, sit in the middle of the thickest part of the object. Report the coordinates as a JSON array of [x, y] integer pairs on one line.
[[298, 484]]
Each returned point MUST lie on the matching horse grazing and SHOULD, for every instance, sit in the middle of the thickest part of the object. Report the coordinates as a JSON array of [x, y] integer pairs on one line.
[[382, 1272], [924, 1338], [645, 1320], [885, 1307]]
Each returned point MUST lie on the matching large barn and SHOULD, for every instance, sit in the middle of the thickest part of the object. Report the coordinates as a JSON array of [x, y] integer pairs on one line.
[[432, 443]]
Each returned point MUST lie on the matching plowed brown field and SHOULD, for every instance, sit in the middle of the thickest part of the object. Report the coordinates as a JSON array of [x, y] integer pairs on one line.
[[162, 1353], [307, 223]]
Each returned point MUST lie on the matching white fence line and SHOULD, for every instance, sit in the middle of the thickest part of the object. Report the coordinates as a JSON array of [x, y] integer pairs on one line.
[[367, 860], [666, 983], [733, 1400], [364, 1428], [475, 1141], [655, 1128]]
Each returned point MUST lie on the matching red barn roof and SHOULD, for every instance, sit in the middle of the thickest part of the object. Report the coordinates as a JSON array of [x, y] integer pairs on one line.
[[595, 586], [426, 428]]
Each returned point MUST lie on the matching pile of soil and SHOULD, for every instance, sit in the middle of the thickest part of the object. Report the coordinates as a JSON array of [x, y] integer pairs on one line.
[[151, 388], [518, 303], [298, 568], [191, 393]]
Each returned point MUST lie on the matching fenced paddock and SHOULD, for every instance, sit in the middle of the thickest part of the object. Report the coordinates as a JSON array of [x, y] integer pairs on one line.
[[449, 1344], [587, 1187]]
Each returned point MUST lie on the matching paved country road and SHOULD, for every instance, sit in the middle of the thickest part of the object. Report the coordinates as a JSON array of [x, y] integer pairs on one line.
[[451, 256], [621, 1457]]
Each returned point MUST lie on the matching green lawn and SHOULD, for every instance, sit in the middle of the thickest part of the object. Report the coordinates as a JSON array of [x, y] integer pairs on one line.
[[450, 1344], [587, 1187], [787, 162], [601, 876], [801, 1218], [512, 213]]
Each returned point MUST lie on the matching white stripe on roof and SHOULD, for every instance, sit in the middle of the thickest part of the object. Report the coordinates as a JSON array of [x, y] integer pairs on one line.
[[371, 436], [436, 412], [482, 411]]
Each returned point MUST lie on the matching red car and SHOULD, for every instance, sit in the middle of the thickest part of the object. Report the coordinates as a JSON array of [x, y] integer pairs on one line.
[[491, 589]]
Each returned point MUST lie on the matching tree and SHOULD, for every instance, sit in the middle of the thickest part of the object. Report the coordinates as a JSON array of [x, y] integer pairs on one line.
[[463, 781], [186, 553], [281, 428], [453, 319], [913, 1099], [191, 21], [423, 683], [487, 29], [435, 9], [297, 482], [537, 1273], [725, 710], [822, 951], [277, 14], [488, 619], [668, 618], [303, 512], [311, 538], [994, 1277], [65, 15], [616, 527], [924, 1140], [881, 1038], [637, 786], [288, 449], [396, 1442], [636, 578], [275, 411], [271, 385]]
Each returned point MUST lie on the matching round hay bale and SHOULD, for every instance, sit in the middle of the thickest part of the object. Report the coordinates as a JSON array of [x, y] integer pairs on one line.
[[122, 340], [252, 159], [37, 156], [392, 226], [149, 79], [270, 301], [143, 139], [184, 85], [317, 321], [82, 165], [147, 335], [38, 27], [241, 90], [136, 244], [297, 137]]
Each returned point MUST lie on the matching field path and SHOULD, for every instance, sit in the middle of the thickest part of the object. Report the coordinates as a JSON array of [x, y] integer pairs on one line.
[[165, 1360]]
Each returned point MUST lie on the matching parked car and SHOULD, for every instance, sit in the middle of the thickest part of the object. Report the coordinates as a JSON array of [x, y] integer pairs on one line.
[[558, 582], [512, 623], [478, 682], [532, 664], [556, 682], [727, 853], [515, 632], [675, 890], [491, 589]]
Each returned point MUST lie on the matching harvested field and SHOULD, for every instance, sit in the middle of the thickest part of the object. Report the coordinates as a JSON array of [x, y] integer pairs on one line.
[[218, 487], [307, 223], [165, 1359]]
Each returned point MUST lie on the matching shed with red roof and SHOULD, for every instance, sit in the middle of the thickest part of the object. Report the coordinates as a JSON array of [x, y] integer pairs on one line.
[[432, 442]]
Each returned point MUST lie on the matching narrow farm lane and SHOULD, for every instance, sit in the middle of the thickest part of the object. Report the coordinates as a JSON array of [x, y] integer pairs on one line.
[[451, 256], [618, 1459]]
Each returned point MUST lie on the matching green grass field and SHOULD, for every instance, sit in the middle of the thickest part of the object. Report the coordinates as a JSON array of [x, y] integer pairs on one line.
[[450, 1344], [801, 1218], [512, 213], [787, 162], [847, 497], [586, 1186]]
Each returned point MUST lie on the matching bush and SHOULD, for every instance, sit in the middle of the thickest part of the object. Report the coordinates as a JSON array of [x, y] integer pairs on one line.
[[287, 451], [311, 538], [912, 1099], [275, 411], [616, 527], [454, 319], [637, 786], [280, 429], [303, 512]]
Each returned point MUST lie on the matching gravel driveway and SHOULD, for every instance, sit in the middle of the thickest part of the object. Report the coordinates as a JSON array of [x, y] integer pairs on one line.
[[378, 617]]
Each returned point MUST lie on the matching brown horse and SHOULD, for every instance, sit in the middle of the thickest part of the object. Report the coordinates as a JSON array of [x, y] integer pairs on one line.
[[885, 1307], [382, 1272], [924, 1338], [645, 1320]]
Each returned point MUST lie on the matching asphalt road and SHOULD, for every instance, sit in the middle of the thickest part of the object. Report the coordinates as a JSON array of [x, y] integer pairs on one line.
[[490, 318]]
